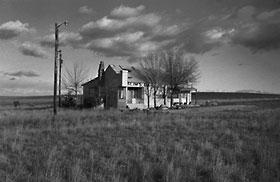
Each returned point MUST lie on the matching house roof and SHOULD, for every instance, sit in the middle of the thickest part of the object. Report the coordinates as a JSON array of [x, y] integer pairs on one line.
[[132, 77], [117, 68], [90, 81]]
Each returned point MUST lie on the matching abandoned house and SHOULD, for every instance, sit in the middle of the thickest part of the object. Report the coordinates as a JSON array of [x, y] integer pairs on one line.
[[119, 87]]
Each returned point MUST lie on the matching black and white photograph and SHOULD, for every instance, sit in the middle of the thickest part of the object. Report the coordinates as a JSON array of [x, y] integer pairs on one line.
[[139, 90]]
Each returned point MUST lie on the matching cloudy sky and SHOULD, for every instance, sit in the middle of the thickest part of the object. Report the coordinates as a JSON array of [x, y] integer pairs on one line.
[[236, 43]]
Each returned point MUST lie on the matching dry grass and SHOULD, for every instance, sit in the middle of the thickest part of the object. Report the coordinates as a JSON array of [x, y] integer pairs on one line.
[[230, 144]]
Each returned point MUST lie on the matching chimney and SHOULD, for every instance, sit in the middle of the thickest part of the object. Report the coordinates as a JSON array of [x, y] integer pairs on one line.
[[101, 72], [124, 77]]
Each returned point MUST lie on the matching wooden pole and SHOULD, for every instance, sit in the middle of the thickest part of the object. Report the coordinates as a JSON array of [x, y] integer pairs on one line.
[[59, 81], [55, 69]]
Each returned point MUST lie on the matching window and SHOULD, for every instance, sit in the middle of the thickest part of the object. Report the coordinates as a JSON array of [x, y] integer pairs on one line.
[[136, 93]]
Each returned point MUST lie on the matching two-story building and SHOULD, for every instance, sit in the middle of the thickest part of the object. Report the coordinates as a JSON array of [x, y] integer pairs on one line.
[[119, 87], [116, 87]]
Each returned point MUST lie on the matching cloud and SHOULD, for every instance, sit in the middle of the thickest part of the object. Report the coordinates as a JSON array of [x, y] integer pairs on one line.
[[126, 45], [261, 33], [120, 45], [129, 32], [124, 11], [133, 32], [258, 37], [34, 50], [109, 35], [196, 37], [247, 27], [108, 26], [246, 13], [21, 73], [219, 34], [85, 10], [12, 29], [271, 16], [65, 38]]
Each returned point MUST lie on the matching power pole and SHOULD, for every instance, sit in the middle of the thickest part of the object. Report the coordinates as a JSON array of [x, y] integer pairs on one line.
[[55, 64], [59, 81], [55, 69]]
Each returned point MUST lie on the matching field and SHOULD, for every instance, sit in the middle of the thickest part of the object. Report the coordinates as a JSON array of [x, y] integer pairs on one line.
[[36, 102], [236, 141]]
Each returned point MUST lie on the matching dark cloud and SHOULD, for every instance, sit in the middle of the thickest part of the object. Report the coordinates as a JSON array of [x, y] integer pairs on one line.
[[270, 16], [193, 41], [201, 37], [126, 45], [260, 33], [34, 50], [246, 13], [258, 37], [12, 29], [129, 32], [132, 32], [106, 26], [248, 27], [7, 34], [48, 41], [65, 38], [21, 74]]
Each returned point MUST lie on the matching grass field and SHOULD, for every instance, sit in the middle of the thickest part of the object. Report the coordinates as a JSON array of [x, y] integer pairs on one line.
[[28, 102], [232, 142]]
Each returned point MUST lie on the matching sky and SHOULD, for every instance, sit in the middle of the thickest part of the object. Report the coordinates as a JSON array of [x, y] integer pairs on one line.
[[236, 43]]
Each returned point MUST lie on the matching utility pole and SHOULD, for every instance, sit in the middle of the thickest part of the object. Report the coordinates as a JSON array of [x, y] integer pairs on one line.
[[55, 64], [55, 69], [59, 81]]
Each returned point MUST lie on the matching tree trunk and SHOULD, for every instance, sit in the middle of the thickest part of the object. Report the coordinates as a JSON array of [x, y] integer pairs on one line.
[[76, 96], [164, 95], [148, 95], [171, 98], [155, 98]]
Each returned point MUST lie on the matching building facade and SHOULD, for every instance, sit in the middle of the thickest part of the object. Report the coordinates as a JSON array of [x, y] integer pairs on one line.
[[119, 87]]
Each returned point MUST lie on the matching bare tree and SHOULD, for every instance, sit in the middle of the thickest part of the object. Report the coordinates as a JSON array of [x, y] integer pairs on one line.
[[150, 72], [179, 70], [73, 78]]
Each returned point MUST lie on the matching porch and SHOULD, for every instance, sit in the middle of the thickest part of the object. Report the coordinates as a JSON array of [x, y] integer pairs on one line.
[[135, 95]]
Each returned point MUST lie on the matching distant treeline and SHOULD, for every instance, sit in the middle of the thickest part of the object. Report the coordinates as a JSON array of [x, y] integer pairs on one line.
[[233, 95]]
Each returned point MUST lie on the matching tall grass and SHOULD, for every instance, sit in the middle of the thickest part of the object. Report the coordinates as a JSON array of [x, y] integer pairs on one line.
[[116, 146]]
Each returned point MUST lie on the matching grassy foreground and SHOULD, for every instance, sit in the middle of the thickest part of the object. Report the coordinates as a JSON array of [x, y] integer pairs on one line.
[[193, 145]]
